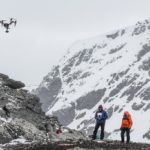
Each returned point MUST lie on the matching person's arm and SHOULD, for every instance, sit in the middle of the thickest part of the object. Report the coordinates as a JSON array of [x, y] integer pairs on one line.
[[96, 115], [130, 122], [105, 116], [121, 125]]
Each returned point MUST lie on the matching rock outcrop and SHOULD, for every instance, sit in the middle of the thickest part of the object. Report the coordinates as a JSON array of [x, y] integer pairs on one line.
[[21, 116], [79, 145], [10, 82]]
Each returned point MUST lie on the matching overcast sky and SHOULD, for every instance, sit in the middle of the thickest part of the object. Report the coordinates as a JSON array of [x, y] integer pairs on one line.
[[46, 28]]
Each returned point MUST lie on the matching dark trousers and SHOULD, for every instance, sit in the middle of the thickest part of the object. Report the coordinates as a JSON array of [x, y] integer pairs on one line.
[[123, 131], [102, 125]]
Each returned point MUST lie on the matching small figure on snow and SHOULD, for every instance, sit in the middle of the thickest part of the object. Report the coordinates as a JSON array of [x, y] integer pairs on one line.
[[100, 117], [126, 126]]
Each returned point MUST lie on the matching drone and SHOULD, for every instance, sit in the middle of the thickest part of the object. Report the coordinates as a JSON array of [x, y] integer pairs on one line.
[[6, 24]]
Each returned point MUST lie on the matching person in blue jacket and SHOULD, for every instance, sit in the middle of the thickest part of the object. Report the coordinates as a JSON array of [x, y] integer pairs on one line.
[[100, 117]]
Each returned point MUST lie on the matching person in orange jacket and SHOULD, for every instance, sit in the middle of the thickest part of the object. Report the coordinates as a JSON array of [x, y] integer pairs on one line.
[[126, 126]]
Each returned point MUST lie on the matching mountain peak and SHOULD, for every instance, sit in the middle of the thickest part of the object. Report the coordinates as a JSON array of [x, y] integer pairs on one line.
[[112, 70]]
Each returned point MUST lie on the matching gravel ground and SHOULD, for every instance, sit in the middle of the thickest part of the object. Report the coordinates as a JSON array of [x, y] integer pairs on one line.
[[80, 145]]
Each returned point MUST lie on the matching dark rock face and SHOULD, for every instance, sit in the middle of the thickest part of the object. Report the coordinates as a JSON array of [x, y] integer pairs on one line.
[[147, 135], [73, 77], [49, 93], [69, 65], [138, 30], [113, 36], [77, 59], [116, 76], [81, 115], [116, 108], [85, 75], [47, 96], [84, 56], [10, 82], [144, 51], [145, 65], [121, 85], [147, 107], [3, 76], [14, 84], [89, 100], [141, 27], [146, 94], [110, 112], [137, 107], [131, 92], [66, 116], [123, 32], [116, 49]]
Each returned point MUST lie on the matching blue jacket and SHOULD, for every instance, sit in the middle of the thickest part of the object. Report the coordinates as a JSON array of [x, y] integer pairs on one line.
[[101, 116]]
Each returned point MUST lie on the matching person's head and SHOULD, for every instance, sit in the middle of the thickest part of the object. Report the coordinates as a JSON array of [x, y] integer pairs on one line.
[[126, 113], [100, 108]]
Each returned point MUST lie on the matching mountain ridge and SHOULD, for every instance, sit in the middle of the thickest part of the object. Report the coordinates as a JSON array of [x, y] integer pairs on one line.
[[112, 70]]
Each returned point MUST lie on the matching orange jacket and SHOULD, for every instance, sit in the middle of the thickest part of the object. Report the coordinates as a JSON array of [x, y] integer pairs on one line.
[[126, 120]]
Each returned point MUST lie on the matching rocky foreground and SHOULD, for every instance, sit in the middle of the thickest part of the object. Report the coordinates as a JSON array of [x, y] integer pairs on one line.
[[79, 145], [22, 118], [24, 126]]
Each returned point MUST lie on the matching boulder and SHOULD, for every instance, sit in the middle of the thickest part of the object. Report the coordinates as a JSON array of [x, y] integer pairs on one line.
[[21, 115], [3, 76], [14, 84]]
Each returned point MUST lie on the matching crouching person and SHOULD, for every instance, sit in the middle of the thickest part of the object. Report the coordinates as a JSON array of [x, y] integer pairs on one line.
[[100, 117], [126, 126]]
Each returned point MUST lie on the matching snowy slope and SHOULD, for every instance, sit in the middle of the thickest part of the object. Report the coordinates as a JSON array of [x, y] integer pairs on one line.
[[112, 70]]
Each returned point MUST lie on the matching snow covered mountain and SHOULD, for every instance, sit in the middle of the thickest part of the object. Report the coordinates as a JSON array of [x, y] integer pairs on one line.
[[112, 70]]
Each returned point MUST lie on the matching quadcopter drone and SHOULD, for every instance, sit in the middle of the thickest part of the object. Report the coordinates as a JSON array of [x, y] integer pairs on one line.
[[6, 24]]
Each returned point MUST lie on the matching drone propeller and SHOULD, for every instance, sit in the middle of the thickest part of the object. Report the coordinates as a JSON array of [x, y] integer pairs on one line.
[[15, 22], [2, 22], [12, 20]]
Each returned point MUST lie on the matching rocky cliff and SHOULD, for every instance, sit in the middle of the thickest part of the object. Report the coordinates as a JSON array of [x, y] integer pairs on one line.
[[22, 119], [113, 70]]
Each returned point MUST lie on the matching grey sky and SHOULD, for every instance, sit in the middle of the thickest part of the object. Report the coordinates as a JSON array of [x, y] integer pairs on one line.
[[46, 28]]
